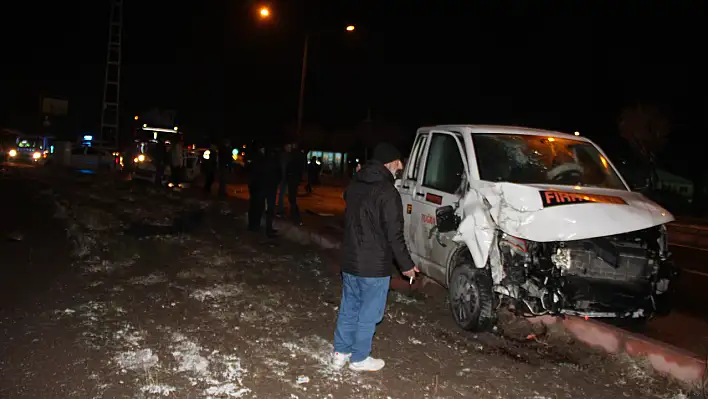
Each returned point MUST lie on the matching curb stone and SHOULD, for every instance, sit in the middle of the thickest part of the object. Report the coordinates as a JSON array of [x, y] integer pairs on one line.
[[664, 358]]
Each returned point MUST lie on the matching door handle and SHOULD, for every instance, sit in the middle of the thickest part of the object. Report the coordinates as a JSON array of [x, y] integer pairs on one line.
[[406, 186], [420, 194]]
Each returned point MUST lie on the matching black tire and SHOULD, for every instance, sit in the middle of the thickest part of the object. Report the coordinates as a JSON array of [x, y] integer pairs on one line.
[[471, 296]]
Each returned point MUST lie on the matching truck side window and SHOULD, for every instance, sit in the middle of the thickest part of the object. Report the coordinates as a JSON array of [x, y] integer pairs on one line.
[[417, 156], [444, 169]]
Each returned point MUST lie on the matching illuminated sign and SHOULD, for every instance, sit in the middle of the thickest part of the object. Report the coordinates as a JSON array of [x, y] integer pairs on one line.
[[409, 208], [553, 198]]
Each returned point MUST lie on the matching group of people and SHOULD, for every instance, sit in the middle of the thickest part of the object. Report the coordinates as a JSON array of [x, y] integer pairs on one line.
[[273, 174], [172, 157]]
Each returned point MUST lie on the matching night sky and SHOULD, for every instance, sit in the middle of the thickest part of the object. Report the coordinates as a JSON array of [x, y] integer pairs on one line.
[[567, 65]]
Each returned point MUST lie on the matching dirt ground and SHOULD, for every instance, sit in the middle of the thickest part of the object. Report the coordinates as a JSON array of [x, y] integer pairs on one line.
[[165, 295]]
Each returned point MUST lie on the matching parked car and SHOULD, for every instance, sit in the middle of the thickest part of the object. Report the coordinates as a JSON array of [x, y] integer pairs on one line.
[[92, 158]]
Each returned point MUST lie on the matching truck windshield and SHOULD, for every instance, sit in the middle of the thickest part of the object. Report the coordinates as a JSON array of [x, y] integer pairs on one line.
[[530, 159]]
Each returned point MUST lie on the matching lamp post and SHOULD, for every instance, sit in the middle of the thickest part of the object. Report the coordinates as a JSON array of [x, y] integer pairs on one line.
[[264, 13], [303, 77]]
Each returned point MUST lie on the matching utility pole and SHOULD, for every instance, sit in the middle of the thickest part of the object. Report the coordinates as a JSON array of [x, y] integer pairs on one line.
[[303, 77], [111, 87]]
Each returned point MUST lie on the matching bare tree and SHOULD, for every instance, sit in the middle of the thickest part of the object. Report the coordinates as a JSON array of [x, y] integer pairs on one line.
[[646, 128]]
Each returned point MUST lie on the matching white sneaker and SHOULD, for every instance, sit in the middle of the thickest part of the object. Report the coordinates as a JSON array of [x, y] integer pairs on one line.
[[339, 360], [368, 364]]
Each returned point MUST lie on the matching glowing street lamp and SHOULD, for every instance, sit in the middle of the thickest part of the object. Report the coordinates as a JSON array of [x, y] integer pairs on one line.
[[264, 12], [350, 28], [577, 133], [136, 117]]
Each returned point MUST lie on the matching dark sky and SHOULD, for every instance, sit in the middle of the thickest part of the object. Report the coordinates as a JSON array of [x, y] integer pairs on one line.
[[567, 65]]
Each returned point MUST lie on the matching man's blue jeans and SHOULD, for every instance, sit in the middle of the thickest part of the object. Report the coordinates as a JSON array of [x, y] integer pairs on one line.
[[362, 308]]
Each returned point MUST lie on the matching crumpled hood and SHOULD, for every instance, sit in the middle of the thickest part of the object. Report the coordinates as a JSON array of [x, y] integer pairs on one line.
[[546, 213]]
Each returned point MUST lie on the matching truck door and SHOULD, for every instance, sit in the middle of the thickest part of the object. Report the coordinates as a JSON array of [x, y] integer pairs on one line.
[[440, 183], [406, 186]]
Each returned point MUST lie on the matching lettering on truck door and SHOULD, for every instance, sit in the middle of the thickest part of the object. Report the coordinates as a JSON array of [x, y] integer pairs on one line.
[[444, 172]]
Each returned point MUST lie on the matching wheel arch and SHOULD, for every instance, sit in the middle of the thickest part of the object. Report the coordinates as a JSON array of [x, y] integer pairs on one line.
[[459, 255]]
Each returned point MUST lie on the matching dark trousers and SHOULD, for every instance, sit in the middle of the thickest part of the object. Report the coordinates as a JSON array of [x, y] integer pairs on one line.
[[222, 181], [208, 181], [270, 195], [176, 175], [292, 199], [159, 172], [256, 203]]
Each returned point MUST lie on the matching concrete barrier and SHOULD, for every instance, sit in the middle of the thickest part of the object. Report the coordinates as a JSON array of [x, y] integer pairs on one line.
[[664, 358]]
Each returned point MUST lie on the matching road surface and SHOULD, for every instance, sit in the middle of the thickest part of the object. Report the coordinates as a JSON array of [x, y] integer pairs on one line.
[[158, 294]]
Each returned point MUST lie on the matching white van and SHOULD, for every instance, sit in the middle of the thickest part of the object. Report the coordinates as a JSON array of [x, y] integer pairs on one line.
[[537, 220]]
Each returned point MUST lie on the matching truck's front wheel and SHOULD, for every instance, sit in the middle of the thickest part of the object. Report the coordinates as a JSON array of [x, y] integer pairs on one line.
[[472, 298]]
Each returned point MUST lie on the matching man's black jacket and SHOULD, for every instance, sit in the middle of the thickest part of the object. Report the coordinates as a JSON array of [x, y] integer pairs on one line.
[[373, 230]]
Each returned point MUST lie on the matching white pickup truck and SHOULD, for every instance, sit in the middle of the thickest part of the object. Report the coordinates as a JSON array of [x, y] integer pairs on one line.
[[536, 220]]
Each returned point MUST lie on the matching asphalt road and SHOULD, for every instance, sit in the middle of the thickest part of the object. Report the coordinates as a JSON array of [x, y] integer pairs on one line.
[[691, 289], [34, 247]]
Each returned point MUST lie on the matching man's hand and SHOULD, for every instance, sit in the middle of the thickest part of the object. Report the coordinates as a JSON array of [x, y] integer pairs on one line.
[[412, 272]]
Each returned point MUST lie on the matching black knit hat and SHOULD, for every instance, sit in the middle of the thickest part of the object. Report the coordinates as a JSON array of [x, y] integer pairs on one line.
[[385, 153]]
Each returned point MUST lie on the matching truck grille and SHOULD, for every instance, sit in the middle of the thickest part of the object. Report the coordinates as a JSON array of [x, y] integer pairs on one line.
[[633, 265]]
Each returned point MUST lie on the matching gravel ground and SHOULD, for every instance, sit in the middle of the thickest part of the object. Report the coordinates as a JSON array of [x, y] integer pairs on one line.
[[158, 294]]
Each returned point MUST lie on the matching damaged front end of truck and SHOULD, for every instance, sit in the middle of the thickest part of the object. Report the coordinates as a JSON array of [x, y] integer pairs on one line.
[[569, 250]]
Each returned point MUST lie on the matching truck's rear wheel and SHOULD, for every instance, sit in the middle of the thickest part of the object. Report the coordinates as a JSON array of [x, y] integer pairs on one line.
[[472, 298]]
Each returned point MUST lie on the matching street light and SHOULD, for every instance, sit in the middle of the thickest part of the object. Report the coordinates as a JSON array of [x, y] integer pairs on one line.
[[136, 117], [303, 75], [577, 133], [264, 12]]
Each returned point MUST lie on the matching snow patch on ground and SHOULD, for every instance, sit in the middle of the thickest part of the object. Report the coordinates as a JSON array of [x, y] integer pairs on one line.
[[142, 359], [217, 292], [97, 265], [151, 279], [222, 373]]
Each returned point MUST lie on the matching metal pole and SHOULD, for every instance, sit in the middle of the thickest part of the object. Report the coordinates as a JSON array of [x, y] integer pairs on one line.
[[303, 75]]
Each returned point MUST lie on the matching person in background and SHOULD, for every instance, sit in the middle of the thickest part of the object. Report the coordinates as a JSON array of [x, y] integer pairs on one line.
[[312, 171], [159, 160], [177, 161], [209, 167], [373, 238], [284, 158], [294, 170], [272, 176], [256, 198], [223, 160]]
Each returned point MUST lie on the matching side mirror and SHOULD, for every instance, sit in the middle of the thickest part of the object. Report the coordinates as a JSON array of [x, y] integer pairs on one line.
[[445, 219]]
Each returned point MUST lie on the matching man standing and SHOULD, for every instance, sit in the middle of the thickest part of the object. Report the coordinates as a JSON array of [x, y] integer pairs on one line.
[[296, 165], [209, 167], [177, 158], [256, 187], [223, 161], [159, 161], [283, 186], [373, 238]]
